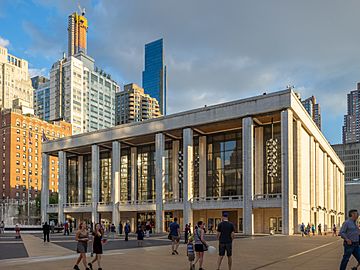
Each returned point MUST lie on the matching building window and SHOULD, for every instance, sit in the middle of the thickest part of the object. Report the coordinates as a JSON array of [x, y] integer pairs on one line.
[[168, 185], [272, 179], [224, 165], [146, 173], [72, 180], [105, 177], [87, 179], [125, 175]]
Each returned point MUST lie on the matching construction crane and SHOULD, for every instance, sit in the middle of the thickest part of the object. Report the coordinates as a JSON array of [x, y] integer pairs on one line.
[[82, 10]]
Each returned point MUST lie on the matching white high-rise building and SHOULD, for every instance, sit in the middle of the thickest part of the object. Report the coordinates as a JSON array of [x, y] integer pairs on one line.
[[81, 94], [15, 83]]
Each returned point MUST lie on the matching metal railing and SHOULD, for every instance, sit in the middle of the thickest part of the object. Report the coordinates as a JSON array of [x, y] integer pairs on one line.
[[138, 202], [104, 203], [267, 196], [172, 200], [78, 204], [217, 199]]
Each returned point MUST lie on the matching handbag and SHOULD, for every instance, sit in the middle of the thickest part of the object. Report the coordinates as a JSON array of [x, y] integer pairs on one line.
[[205, 247]]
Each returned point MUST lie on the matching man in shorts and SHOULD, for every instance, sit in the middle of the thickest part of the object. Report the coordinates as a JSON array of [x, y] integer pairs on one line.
[[175, 236], [225, 235]]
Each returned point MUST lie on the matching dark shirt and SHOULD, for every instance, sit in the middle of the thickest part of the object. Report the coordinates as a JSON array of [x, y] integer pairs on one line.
[[46, 228], [140, 234], [174, 229], [349, 230], [127, 228], [225, 228]]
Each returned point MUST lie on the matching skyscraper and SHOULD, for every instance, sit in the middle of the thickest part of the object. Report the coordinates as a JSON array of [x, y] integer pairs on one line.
[[81, 93], [154, 79], [132, 105], [313, 110], [15, 83], [351, 128], [41, 87], [77, 33]]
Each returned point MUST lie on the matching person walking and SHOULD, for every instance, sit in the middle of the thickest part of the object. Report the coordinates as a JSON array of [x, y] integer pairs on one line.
[[302, 229], [17, 231], [120, 228], [82, 238], [334, 230], [313, 229], [46, 232], [98, 241], [52, 226], [175, 236], [140, 235], [319, 229], [190, 252], [148, 228], [225, 235], [112, 230], [350, 233], [127, 231], [200, 244], [66, 228], [186, 233], [2, 227]]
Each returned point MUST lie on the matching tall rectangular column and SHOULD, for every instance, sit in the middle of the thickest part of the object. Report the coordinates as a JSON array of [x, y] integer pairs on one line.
[[62, 185], [312, 179], [95, 181], [248, 174], [325, 198], [259, 160], [44, 187], [175, 167], [81, 179], [133, 160], [202, 166], [297, 170], [287, 176], [115, 181], [159, 179], [188, 175], [329, 189], [317, 184]]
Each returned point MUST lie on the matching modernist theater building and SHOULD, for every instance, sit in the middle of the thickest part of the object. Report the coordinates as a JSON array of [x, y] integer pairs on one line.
[[261, 159]]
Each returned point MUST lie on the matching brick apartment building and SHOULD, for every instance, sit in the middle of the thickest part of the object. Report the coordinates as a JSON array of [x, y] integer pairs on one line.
[[20, 152]]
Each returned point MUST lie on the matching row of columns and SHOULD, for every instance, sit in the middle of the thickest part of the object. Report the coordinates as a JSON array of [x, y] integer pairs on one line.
[[291, 181], [248, 175]]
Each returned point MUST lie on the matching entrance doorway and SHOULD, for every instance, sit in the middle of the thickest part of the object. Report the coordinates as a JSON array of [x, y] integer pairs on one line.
[[275, 224]]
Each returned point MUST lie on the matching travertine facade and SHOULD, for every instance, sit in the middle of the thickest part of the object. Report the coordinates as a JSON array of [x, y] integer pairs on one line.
[[261, 159]]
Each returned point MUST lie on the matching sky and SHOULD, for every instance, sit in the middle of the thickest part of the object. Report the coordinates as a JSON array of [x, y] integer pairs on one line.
[[215, 51]]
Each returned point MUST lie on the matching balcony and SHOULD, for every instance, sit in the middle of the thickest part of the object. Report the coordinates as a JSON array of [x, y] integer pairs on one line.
[[173, 204], [267, 200], [138, 205], [105, 206], [199, 203], [77, 207], [52, 208]]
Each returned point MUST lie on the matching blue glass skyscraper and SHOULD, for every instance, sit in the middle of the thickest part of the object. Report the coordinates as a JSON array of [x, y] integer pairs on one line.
[[154, 75]]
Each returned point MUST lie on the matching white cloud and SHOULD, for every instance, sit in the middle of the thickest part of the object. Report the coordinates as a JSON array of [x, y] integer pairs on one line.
[[38, 72], [4, 42]]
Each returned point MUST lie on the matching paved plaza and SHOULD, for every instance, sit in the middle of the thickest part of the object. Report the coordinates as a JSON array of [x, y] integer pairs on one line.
[[261, 252]]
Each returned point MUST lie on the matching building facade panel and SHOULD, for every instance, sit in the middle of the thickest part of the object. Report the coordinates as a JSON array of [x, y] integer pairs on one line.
[[230, 161]]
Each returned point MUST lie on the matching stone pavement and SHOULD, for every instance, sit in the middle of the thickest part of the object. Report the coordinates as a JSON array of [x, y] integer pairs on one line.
[[273, 252]]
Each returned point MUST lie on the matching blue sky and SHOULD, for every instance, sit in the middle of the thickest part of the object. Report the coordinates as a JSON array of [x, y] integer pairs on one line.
[[214, 52]]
